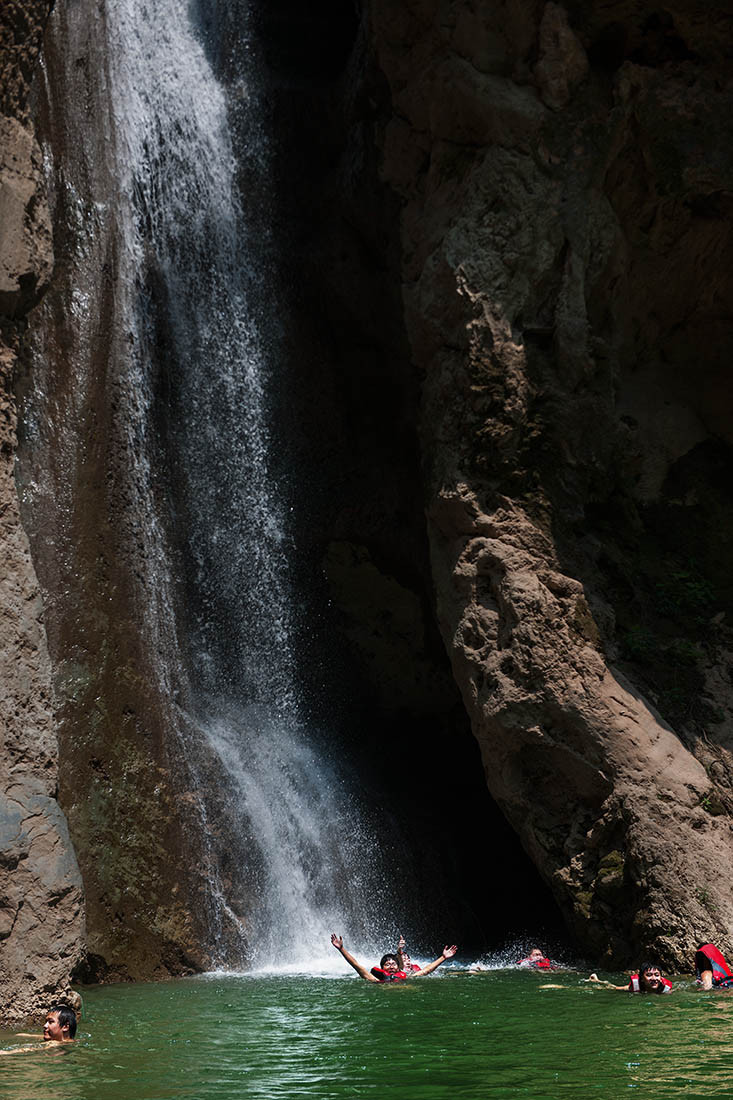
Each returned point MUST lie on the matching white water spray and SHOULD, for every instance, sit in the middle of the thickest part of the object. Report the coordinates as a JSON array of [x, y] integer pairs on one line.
[[197, 348]]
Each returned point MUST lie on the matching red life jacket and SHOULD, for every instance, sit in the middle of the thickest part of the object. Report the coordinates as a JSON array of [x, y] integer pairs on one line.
[[722, 975], [388, 975], [635, 987], [541, 964]]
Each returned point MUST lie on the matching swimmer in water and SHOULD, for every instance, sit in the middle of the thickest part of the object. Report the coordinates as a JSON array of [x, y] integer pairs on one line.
[[711, 969], [537, 959], [59, 1027], [389, 965], [648, 979], [73, 1000], [404, 960]]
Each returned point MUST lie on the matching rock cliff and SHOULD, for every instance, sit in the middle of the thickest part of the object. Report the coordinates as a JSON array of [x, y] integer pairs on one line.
[[81, 463], [567, 200], [41, 897]]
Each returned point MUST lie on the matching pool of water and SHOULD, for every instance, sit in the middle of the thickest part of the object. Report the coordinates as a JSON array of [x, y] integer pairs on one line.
[[501, 1034]]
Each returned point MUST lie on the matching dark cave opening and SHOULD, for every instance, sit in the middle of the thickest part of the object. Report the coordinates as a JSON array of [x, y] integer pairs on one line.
[[310, 42], [347, 416]]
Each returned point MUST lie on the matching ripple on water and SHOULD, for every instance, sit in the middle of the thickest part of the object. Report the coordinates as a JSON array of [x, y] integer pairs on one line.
[[495, 1035]]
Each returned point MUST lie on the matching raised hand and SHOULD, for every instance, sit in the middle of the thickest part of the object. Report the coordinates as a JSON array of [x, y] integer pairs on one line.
[[449, 952], [337, 941]]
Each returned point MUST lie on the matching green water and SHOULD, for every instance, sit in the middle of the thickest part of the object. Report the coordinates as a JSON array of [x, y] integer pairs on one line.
[[492, 1035]]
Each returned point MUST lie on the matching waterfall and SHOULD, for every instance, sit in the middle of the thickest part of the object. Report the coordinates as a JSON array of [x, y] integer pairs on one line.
[[196, 341]]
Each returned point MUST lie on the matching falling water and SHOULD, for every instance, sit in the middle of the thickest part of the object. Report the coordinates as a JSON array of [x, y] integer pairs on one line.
[[197, 333]]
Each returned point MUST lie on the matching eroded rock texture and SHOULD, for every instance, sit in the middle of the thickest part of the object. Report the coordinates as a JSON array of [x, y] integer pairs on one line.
[[566, 179], [41, 897], [81, 458]]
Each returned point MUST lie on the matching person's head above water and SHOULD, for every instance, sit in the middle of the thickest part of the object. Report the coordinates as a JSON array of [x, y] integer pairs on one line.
[[389, 963], [535, 953], [650, 977], [60, 1024]]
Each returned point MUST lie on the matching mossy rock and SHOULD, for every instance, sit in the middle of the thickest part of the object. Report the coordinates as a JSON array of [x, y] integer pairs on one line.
[[584, 623], [583, 902], [612, 864]]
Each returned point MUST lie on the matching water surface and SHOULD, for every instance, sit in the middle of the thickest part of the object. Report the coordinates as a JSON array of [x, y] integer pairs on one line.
[[492, 1035]]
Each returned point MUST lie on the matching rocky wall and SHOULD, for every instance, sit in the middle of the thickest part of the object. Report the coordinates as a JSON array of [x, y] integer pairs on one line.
[[133, 824], [41, 896], [566, 184]]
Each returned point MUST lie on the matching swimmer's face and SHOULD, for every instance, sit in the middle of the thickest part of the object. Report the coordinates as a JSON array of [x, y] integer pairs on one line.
[[535, 953], [652, 977], [390, 966], [52, 1029]]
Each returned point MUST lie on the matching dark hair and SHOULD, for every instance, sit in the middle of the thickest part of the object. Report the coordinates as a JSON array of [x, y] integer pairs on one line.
[[67, 1018], [384, 958]]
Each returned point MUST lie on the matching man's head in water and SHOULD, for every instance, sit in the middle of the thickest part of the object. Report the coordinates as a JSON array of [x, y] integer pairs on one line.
[[60, 1025], [534, 954], [389, 963], [650, 978]]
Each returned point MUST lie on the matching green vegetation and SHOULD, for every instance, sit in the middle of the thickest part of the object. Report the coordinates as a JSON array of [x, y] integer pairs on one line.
[[684, 592], [712, 804], [638, 644], [704, 897]]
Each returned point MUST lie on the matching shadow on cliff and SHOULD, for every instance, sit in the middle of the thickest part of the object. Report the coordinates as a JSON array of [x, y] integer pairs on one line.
[[372, 664]]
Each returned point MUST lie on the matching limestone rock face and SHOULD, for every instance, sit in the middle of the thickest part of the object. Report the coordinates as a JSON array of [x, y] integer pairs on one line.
[[41, 897], [26, 255], [133, 826], [566, 183], [26, 251], [21, 31]]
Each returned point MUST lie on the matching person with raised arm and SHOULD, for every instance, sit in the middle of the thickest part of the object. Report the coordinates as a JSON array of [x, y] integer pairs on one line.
[[404, 960], [389, 965]]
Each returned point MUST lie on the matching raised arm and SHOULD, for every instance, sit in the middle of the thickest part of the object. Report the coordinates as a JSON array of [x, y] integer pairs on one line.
[[401, 951], [362, 971], [448, 953]]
